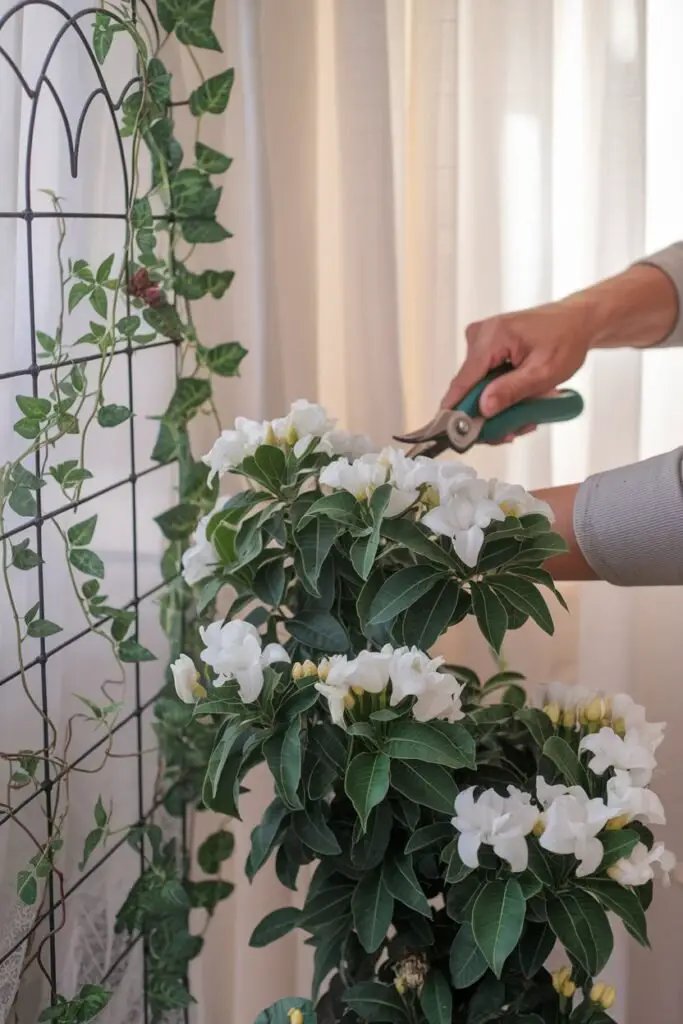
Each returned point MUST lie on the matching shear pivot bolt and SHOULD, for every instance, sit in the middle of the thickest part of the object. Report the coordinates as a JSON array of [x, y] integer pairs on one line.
[[462, 427]]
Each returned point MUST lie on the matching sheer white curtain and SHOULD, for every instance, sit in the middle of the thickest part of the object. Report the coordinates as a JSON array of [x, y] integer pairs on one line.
[[402, 168], [85, 946]]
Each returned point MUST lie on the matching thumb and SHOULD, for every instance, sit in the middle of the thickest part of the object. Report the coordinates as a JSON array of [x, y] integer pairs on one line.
[[470, 373], [528, 381]]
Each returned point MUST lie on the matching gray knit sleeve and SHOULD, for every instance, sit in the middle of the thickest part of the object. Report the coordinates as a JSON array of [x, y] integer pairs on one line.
[[629, 522], [670, 261]]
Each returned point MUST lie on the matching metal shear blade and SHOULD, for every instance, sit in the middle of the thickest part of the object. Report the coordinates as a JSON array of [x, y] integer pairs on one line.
[[450, 428]]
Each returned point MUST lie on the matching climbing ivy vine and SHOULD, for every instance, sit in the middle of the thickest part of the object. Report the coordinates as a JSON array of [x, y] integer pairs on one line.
[[142, 295]]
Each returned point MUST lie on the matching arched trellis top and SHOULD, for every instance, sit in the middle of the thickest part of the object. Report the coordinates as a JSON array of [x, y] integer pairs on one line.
[[43, 81]]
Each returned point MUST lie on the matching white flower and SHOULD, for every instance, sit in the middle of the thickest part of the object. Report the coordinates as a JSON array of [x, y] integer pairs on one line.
[[571, 823], [567, 696], [638, 869], [233, 446], [233, 651], [635, 803], [497, 821], [629, 717], [514, 500], [415, 674], [304, 422], [337, 683], [463, 516], [360, 477], [628, 754], [371, 670], [274, 654], [186, 680], [448, 475], [199, 560]]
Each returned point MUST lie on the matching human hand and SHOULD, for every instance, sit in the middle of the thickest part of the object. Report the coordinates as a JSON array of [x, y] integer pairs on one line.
[[546, 345]]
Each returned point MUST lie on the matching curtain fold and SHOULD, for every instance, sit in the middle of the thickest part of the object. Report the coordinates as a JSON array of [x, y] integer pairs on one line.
[[403, 167]]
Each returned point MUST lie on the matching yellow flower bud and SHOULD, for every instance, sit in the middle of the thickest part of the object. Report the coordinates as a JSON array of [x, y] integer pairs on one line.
[[561, 977], [297, 671], [323, 670], [431, 497], [613, 872], [608, 997], [399, 985], [309, 668], [358, 690], [553, 712], [595, 710], [597, 992], [349, 701], [270, 437], [619, 726], [291, 437], [295, 1016], [615, 824], [569, 718], [568, 989], [539, 828]]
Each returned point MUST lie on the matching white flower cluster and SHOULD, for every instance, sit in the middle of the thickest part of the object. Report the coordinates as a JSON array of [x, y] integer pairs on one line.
[[461, 504], [408, 672], [566, 819], [234, 651], [199, 560], [304, 423]]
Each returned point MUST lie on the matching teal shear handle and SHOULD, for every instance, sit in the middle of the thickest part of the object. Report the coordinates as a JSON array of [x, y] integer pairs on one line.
[[564, 405]]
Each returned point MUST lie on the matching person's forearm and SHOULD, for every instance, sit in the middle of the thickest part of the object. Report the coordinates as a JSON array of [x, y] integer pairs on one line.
[[572, 565], [636, 309]]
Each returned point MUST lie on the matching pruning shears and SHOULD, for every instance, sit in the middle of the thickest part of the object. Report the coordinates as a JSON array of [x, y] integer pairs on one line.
[[463, 426]]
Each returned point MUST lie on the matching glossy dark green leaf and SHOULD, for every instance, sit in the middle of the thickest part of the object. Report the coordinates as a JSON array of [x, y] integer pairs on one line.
[[376, 1003], [429, 785], [620, 901], [581, 925], [525, 597], [566, 761], [400, 591], [274, 926], [490, 614], [497, 921], [436, 998], [367, 783], [313, 542], [319, 631], [427, 619], [430, 835], [283, 754], [535, 947], [538, 724], [617, 845], [178, 522], [402, 882], [372, 906], [467, 962], [312, 828], [430, 742]]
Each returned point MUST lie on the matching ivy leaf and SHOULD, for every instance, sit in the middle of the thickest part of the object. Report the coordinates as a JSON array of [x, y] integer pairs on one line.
[[159, 85], [215, 849], [27, 887], [23, 502], [87, 561], [92, 841], [77, 293], [33, 408], [209, 160], [82, 533], [203, 231], [103, 36], [190, 394], [225, 359], [274, 926], [132, 651], [24, 558], [42, 628], [498, 920], [112, 415], [31, 613], [179, 522], [26, 428], [367, 783], [213, 95]]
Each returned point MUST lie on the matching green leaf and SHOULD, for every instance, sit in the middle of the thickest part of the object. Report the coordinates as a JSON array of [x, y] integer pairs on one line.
[[43, 627], [319, 631], [225, 744], [367, 783], [22, 501], [213, 95], [92, 841], [112, 415], [467, 962], [436, 998], [402, 882], [77, 293], [430, 743], [208, 894], [329, 742], [372, 906], [461, 897], [331, 902], [497, 921], [524, 596], [283, 754], [87, 561], [210, 161], [313, 544], [535, 947], [34, 408], [271, 465], [539, 864], [428, 785], [82, 533], [265, 835], [26, 428], [563, 757], [313, 830], [620, 901], [179, 522], [369, 849], [104, 270], [24, 558], [274, 926], [400, 591], [47, 343], [215, 849], [376, 1003], [190, 394], [430, 835], [538, 724], [269, 583], [341, 506], [132, 651], [430, 616], [225, 359], [27, 887], [617, 845], [581, 925], [31, 613], [490, 614], [99, 813], [99, 302], [415, 538], [21, 477], [201, 231]]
